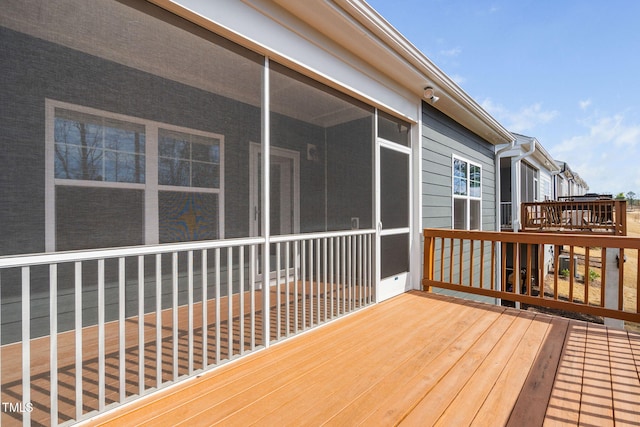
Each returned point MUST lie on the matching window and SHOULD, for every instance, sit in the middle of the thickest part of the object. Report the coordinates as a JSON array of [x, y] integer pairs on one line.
[[94, 148], [467, 195], [116, 180], [529, 186]]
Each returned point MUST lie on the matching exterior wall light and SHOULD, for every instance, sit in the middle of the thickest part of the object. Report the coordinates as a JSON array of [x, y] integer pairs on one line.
[[430, 94]]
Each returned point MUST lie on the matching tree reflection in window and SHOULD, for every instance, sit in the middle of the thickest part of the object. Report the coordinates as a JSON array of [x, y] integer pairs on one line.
[[93, 148], [188, 160]]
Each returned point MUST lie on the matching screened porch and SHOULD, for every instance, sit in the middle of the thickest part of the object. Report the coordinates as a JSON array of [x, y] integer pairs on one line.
[[176, 201]]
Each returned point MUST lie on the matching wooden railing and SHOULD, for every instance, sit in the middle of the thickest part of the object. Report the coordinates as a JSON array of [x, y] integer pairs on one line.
[[597, 282], [576, 216]]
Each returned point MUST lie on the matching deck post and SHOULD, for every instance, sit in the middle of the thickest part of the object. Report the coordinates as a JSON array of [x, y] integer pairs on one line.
[[620, 217], [611, 287], [428, 261]]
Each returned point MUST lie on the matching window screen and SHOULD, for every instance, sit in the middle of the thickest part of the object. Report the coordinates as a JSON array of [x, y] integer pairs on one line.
[[110, 91], [331, 135]]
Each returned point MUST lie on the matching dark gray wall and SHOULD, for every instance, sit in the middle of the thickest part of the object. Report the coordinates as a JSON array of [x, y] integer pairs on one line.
[[33, 69]]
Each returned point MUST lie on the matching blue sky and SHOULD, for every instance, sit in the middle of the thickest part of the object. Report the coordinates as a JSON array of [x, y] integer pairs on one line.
[[566, 72]]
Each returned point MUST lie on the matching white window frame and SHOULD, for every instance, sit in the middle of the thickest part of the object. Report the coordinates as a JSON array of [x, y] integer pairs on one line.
[[468, 197], [150, 187]]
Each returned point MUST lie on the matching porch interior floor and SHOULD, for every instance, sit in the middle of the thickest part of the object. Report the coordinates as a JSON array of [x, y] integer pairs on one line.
[[417, 359]]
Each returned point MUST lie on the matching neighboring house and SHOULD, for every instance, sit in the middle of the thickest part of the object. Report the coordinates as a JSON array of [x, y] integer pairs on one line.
[[189, 147], [568, 183], [527, 171]]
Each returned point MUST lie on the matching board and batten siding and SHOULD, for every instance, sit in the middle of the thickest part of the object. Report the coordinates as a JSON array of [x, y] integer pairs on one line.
[[442, 138]]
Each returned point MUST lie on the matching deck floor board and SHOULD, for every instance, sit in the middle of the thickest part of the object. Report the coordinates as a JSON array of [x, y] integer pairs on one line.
[[417, 359]]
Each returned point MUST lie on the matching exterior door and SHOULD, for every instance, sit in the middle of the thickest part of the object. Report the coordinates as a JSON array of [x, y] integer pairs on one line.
[[284, 191], [394, 227]]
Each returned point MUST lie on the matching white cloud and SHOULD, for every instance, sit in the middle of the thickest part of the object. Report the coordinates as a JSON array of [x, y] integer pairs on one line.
[[606, 155], [523, 120], [453, 52], [585, 104], [460, 80]]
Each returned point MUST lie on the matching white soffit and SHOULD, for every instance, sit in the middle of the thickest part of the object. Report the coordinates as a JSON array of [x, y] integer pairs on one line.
[[273, 30], [354, 25]]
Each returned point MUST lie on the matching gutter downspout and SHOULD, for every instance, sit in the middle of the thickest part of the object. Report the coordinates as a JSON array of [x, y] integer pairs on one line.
[[515, 213], [498, 156], [515, 216]]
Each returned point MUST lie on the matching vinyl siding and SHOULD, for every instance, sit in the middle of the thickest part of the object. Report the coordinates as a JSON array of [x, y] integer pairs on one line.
[[442, 139]]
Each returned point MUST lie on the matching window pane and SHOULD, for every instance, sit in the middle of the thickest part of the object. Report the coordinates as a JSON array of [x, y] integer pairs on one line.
[[93, 148], [188, 160], [459, 168], [122, 136], [173, 145], [205, 175], [173, 172], [187, 216], [75, 162], [476, 189], [89, 218], [475, 173], [460, 214], [459, 186], [475, 215], [123, 167], [206, 152]]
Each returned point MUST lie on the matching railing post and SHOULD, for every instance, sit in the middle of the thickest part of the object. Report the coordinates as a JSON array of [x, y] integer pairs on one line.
[[611, 291], [620, 217], [428, 261]]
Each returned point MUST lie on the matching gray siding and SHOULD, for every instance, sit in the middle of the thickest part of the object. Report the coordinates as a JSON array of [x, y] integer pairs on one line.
[[443, 138]]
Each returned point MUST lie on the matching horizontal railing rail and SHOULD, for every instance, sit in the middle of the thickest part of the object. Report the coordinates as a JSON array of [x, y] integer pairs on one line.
[[573, 272], [85, 331], [572, 216]]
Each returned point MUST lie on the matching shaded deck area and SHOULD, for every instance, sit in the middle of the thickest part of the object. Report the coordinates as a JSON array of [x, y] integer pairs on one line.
[[417, 359]]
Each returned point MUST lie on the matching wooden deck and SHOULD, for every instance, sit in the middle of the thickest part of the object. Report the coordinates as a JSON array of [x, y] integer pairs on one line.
[[417, 359]]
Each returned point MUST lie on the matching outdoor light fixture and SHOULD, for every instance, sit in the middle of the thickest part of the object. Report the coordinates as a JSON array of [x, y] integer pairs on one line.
[[430, 94]]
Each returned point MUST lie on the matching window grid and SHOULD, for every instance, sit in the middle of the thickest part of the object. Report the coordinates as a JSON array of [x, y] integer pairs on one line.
[[93, 148]]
